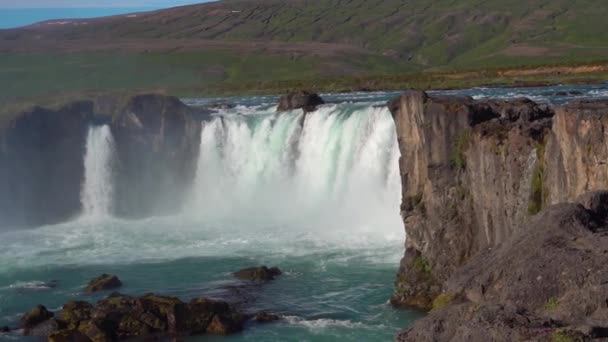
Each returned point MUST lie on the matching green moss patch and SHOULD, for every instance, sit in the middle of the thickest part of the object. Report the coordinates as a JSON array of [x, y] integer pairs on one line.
[[460, 148], [538, 193], [442, 300]]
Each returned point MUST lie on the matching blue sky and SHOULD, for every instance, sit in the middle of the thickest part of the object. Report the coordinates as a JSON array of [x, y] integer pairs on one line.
[[93, 3]]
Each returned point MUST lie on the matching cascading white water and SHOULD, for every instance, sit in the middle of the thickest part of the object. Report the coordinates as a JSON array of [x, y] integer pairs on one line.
[[334, 168], [97, 190]]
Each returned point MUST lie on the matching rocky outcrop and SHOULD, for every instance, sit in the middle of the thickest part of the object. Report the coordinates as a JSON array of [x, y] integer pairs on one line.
[[34, 318], [474, 174], [548, 280], [42, 164], [42, 154], [258, 274], [467, 169], [157, 141], [121, 317], [304, 100], [103, 282]]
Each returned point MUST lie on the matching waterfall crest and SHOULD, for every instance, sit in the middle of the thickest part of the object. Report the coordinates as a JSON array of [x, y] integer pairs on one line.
[[97, 190], [337, 166]]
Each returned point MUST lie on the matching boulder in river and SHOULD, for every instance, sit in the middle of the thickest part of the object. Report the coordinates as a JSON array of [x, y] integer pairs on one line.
[[300, 100], [34, 317], [266, 317], [103, 282], [4, 329], [262, 273]]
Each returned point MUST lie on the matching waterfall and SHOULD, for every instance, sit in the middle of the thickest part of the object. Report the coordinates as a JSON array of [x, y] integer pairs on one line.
[[97, 190], [337, 166]]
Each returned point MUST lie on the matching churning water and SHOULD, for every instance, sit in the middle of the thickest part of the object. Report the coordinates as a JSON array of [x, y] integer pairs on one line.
[[317, 195], [98, 190]]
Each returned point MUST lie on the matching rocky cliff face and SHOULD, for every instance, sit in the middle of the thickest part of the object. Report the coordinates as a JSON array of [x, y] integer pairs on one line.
[[467, 170], [42, 157], [41, 164], [157, 141], [474, 173]]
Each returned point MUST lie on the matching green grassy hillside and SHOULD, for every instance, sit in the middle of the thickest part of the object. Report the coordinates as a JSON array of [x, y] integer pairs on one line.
[[215, 45]]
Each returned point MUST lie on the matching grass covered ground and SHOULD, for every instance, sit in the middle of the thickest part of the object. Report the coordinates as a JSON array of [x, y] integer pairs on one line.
[[273, 46]]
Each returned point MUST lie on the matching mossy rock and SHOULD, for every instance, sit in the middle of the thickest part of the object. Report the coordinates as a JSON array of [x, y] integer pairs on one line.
[[103, 282], [35, 316], [262, 273], [74, 312], [98, 330], [442, 300], [68, 336]]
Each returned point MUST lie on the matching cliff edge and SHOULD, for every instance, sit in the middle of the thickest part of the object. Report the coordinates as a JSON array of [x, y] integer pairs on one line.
[[476, 175]]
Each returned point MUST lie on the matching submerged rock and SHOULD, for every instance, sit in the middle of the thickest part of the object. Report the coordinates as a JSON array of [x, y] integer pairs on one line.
[[103, 282], [300, 100], [261, 273], [266, 317], [4, 329]]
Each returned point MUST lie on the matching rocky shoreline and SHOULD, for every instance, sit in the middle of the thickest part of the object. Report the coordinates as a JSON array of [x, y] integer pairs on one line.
[[489, 250], [124, 317]]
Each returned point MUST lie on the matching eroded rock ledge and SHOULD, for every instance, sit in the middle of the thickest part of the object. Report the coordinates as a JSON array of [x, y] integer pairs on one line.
[[474, 174], [42, 156]]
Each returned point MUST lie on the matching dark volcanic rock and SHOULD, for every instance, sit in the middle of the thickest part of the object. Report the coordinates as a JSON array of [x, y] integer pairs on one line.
[[262, 273], [103, 282], [44, 329], [74, 312], [221, 105], [300, 100], [4, 329], [466, 170], [34, 317], [547, 279], [120, 317], [157, 142], [266, 317], [42, 164], [480, 252], [42, 150]]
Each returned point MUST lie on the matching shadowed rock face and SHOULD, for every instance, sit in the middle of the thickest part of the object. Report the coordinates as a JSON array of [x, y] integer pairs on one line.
[[157, 141], [41, 164], [42, 157], [300, 100]]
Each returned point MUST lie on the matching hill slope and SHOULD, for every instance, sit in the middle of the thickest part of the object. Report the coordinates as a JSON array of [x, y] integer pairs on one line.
[[268, 40]]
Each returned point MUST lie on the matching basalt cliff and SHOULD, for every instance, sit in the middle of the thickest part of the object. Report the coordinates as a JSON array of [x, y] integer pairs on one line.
[[42, 150], [490, 251]]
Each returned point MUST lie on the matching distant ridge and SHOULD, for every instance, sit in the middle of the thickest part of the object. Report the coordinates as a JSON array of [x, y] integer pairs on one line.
[[270, 40]]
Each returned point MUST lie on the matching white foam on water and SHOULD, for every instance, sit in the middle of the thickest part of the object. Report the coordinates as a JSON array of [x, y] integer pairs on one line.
[[268, 185], [320, 324]]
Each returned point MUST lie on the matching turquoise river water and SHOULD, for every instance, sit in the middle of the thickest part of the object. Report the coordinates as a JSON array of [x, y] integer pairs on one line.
[[318, 197]]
